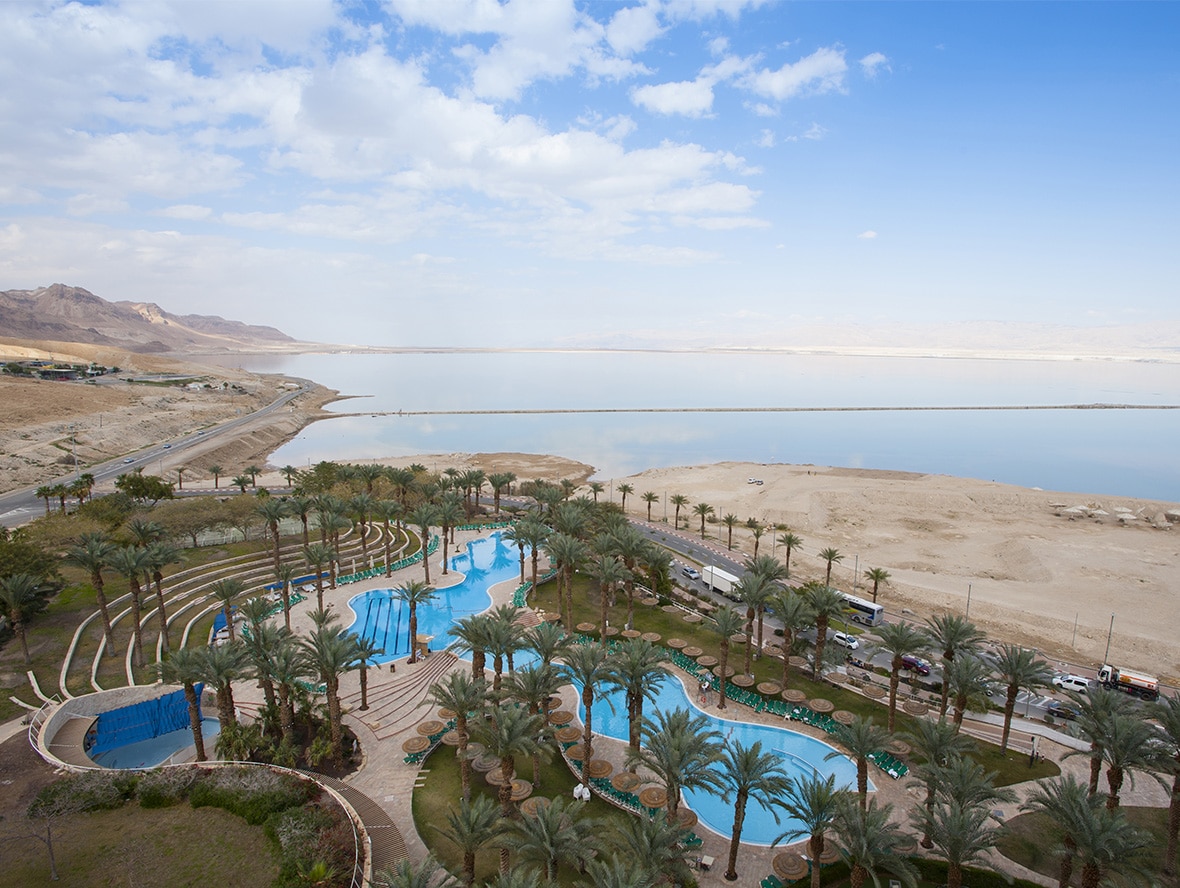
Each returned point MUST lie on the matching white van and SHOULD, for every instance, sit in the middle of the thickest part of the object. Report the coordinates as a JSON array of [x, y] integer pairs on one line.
[[1077, 683]]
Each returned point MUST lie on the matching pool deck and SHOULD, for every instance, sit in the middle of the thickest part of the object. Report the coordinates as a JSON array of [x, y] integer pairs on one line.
[[397, 705]]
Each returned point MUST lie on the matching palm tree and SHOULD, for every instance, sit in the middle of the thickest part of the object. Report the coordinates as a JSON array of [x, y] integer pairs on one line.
[[831, 556], [518, 536], [216, 471], [1167, 713], [959, 834], [302, 506], [624, 489], [422, 518], [823, 603], [877, 576], [406, 874], [44, 492], [869, 841], [227, 591], [461, 694], [288, 667], [159, 556], [1069, 805], [19, 600], [729, 521], [682, 751], [131, 561], [640, 671], [186, 667], [241, 482], [967, 782], [589, 667], [533, 686], [650, 498], [450, 515], [289, 472], [754, 590], [557, 833], [367, 653], [1109, 846], [565, 554], [499, 481], [283, 577], [548, 641], [473, 634], [414, 593], [951, 634], [317, 556], [469, 829], [387, 511], [725, 622], [746, 773], [331, 652], [220, 666], [678, 500], [900, 640], [1094, 712], [813, 802], [654, 850], [935, 743], [273, 510], [757, 530], [533, 532], [968, 680], [1130, 744], [510, 732], [608, 573], [704, 510], [774, 574], [861, 738], [1019, 669], [791, 609], [792, 542], [93, 553]]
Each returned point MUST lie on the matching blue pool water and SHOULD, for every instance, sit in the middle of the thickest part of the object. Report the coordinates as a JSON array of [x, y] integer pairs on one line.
[[488, 561], [377, 615], [801, 756], [157, 750]]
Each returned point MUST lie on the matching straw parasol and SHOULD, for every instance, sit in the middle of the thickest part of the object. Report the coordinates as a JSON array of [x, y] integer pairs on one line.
[[625, 781], [686, 819], [568, 734], [631, 633], [415, 744], [430, 728], [794, 695], [653, 637], [451, 738], [830, 854], [692, 618], [495, 777], [898, 747], [446, 714], [653, 797], [670, 609], [843, 716], [599, 768], [707, 660], [533, 804], [586, 627], [521, 790], [611, 631], [485, 762], [729, 670], [561, 717], [677, 643], [770, 688], [743, 681], [789, 866], [915, 707], [821, 705], [577, 752], [692, 651], [876, 692]]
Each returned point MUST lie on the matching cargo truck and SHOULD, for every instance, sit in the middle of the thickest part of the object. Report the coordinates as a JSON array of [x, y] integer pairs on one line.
[[1137, 684], [719, 580]]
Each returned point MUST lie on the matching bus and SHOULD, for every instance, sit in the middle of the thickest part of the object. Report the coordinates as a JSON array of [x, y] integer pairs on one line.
[[864, 611]]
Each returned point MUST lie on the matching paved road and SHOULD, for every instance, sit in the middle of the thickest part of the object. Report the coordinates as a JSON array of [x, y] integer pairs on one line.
[[20, 506]]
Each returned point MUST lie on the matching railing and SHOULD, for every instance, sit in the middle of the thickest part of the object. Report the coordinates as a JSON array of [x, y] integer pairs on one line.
[[37, 722]]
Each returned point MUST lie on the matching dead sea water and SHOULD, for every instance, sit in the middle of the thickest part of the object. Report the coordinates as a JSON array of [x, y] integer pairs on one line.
[[1126, 452]]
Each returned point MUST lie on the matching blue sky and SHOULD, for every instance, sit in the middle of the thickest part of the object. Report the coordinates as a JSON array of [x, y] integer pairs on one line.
[[550, 172]]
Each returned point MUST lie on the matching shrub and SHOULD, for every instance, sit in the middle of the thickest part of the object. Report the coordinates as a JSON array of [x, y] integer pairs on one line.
[[251, 793], [164, 787]]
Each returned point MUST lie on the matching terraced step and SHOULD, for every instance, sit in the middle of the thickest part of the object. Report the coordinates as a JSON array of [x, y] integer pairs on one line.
[[386, 840]]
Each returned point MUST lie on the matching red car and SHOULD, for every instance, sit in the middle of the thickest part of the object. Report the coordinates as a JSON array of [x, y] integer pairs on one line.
[[915, 664]]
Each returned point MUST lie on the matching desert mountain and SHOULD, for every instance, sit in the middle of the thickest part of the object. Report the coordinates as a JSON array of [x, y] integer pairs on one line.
[[71, 314]]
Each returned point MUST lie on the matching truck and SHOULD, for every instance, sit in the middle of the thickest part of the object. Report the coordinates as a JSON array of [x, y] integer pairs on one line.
[[1137, 684], [719, 580]]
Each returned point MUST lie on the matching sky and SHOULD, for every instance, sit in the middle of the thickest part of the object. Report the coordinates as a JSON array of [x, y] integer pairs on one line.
[[560, 172]]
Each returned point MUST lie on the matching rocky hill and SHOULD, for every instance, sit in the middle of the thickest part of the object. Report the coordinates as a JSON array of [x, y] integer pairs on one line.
[[71, 314]]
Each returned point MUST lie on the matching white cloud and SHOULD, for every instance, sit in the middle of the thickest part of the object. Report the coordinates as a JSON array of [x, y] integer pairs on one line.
[[821, 72], [815, 132], [632, 28], [190, 212], [766, 139], [691, 98], [867, 235], [872, 63]]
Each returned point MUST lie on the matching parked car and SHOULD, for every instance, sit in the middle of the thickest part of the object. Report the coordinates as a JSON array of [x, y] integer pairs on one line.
[[1078, 683], [129, 460], [915, 664], [1057, 709], [691, 572], [845, 640]]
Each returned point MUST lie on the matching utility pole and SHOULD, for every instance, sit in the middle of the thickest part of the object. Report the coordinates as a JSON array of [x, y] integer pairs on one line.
[[1109, 633]]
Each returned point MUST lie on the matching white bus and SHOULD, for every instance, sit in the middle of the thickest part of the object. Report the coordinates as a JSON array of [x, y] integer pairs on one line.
[[864, 611]]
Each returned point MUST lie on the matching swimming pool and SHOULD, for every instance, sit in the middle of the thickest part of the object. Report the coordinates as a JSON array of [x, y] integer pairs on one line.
[[487, 561], [378, 616], [801, 756], [157, 750]]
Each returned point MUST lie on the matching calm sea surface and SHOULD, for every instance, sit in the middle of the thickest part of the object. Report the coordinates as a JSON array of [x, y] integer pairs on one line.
[[1112, 452]]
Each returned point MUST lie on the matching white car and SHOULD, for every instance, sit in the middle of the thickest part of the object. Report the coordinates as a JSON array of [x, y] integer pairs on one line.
[[1078, 683], [845, 640]]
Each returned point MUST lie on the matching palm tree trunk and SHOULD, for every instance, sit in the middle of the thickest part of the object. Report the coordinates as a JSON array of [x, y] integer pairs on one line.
[[464, 761], [286, 714], [163, 616], [137, 632], [414, 635], [724, 670], [587, 732], [749, 638], [1114, 779], [1173, 827], [1009, 708], [735, 839], [894, 681], [954, 875], [100, 596], [816, 846], [821, 639], [1065, 870], [194, 719], [1091, 875]]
